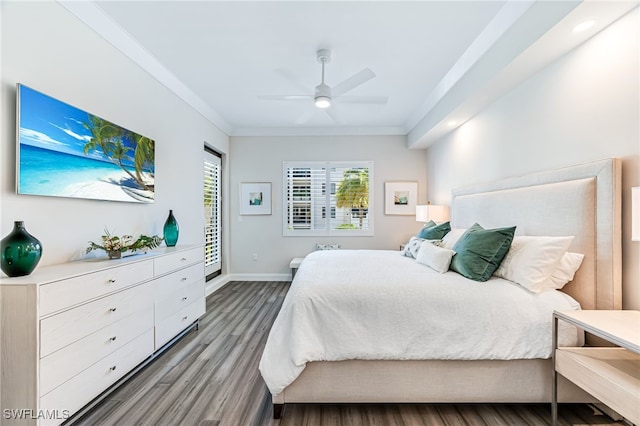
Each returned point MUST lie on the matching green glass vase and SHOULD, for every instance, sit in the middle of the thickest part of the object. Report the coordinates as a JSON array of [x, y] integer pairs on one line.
[[171, 230], [21, 251]]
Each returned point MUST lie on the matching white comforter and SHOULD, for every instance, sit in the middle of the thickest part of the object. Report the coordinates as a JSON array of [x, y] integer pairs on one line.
[[378, 304]]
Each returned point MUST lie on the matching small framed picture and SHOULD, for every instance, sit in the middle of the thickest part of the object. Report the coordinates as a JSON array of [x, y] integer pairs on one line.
[[400, 198], [255, 198]]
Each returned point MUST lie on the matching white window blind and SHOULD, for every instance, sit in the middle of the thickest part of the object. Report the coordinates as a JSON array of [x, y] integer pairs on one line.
[[212, 209], [327, 198]]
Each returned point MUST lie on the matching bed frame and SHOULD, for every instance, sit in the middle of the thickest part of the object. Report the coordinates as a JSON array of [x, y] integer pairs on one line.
[[582, 200]]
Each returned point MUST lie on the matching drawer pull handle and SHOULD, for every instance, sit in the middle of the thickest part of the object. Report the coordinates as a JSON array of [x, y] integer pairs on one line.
[[113, 368], [184, 318], [184, 298], [183, 279], [112, 280], [113, 309], [112, 338], [183, 259]]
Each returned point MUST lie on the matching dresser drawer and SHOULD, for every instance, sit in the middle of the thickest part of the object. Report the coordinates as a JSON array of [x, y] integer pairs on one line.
[[168, 284], [65, 363], [179, 299], [178, 260], [82, 388], [70, 292], [59, 330], [168, 328]]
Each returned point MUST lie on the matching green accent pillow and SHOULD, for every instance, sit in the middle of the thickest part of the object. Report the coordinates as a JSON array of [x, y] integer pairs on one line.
[[479, 251], [429, 224], [435, 232]]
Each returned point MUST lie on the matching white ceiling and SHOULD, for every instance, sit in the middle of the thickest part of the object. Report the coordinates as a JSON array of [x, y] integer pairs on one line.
[[436, 61]]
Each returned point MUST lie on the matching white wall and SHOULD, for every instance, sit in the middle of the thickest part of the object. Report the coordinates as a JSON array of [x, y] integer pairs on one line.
[[583, 107], [259, 159], [48, 49]]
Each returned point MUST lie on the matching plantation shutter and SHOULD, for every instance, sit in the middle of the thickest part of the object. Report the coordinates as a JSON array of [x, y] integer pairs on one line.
[[212, 210], [327, 198]]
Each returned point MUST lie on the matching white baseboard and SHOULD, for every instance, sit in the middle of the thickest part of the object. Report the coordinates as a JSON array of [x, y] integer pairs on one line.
[[215, 284], [260, 277]]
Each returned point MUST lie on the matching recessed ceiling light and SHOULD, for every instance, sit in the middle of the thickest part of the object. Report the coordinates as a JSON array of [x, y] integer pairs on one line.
[[583, 26], [452, 123]]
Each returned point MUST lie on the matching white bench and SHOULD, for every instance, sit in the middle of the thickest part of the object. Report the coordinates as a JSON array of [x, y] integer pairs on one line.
[[294, 264]]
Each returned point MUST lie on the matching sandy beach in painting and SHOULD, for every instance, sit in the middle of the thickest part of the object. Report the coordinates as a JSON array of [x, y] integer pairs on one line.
[[107, 188]]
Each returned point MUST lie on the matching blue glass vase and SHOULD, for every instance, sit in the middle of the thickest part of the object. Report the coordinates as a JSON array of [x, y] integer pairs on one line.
[[171, 230], [21, 251]]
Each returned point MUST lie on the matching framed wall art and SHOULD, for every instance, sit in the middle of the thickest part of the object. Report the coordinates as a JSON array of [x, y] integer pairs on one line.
[[400, 198], [63, 151], [255, 198]]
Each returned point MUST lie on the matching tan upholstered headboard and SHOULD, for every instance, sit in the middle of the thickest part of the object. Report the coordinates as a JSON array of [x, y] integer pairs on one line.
[[582, 200]]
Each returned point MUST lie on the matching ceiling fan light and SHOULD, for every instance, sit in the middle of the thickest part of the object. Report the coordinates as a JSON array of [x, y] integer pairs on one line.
[[323, 101]]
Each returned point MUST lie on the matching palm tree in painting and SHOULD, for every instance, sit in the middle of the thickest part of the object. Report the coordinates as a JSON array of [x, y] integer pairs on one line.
[[118, 155], [144, 157], [108, 138], [103, 133], [353, 191]]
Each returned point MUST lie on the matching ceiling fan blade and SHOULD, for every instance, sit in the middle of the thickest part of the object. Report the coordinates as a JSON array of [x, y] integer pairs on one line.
[[362, 99], [286, 97], [353, 82], [305, 116], [331, 116], [292, 79]]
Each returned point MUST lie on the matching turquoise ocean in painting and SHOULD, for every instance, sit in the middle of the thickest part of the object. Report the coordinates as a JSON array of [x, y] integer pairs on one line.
[[46, 172]]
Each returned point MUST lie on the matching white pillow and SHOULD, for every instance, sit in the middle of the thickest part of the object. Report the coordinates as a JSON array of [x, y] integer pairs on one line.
[[435, 257], [530, 261], [452, 237], [565, 270], [413, 246]]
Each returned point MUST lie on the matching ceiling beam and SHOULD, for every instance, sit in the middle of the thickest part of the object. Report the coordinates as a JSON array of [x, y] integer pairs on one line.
[[513, 30]]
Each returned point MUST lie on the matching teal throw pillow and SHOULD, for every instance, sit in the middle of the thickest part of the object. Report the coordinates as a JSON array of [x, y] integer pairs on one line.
[[479, 251], [428, 225], [436, 232]]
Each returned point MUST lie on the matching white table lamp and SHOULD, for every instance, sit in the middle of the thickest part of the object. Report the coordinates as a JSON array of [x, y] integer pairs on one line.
[[429, 212], [422, 213]]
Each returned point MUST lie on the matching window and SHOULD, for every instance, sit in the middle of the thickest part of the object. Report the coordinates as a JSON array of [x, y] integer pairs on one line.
[[212, 209], [306, 200]]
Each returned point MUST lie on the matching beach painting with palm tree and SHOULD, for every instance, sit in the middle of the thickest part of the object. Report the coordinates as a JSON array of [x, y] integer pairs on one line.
[[66, 152]]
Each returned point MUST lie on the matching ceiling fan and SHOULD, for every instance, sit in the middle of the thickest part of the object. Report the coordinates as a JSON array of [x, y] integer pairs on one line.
[[324, 95]]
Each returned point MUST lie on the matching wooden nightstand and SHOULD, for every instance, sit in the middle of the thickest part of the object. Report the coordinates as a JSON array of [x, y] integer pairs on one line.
[[610, 374]]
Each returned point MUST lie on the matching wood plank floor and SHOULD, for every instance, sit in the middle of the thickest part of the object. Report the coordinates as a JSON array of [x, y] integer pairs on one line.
[[211, 378]]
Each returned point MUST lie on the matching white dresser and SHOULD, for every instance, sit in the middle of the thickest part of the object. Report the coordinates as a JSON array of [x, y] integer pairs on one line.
[[68, 332]]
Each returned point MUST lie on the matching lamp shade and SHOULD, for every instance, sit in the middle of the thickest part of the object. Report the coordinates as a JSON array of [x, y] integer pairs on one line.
[[635, 213], [432, 212], [422, 213]]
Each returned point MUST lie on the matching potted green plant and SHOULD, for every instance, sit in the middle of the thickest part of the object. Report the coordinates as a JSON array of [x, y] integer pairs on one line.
[[115, 245]]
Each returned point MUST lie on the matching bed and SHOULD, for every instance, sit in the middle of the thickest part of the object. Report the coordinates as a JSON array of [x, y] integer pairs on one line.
[[582, 201]]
